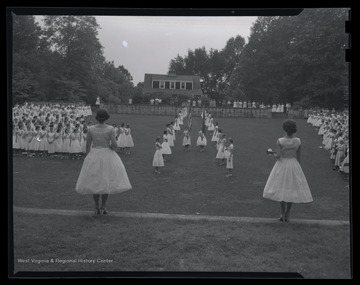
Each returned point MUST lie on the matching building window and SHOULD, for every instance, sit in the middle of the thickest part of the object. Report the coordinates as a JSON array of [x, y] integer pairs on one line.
[[177, 85], [155, 84], [172, 84], [189, 85], [162, 84], [167, 84], [182, 85]]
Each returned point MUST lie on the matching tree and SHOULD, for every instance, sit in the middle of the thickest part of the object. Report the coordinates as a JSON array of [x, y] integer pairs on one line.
[[290, 58], [26, 39]]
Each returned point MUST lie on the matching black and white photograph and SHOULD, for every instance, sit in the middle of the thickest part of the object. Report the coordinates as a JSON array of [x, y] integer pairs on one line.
[[179, 143]]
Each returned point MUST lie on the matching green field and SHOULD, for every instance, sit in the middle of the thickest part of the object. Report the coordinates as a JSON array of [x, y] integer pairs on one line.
[[190, 183]]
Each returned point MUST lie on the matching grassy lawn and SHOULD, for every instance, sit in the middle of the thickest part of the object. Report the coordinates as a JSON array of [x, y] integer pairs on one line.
[[190, 183], [174, 245]]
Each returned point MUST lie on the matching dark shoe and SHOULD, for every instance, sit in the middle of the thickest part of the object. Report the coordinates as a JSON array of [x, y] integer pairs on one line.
[[97, 212], [281, 219], [286, 218]]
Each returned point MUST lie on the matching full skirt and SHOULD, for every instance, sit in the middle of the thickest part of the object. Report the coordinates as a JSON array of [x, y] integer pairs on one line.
[[75, 146], [102, 173], [220, 154], [287, 183], [165, 148], [158, 160]]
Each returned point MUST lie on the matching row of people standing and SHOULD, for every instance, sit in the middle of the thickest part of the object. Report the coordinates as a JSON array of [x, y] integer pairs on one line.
[[163, 145], [225, 149], [333, 127], [48, 142], [124, 138], [50, 129]]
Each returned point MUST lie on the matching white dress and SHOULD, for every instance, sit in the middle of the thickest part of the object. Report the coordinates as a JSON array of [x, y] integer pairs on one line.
[[229, 159], [165, 145], [66, 143], [211, 125], [158, 160], [186, 139], [287, 181], [201, 141], [51, 142], [214, 137], [121, 137], [75, 146], [170, 137], [102, 172], [220, 154], [128, 140], [58, 142], [43, 141]]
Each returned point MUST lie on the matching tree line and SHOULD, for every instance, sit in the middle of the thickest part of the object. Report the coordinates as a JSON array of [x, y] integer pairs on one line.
[[63, 61], [296, 59]]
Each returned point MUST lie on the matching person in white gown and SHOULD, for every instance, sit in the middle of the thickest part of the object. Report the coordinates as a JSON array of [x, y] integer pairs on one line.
[[287, 183], [102, 172]]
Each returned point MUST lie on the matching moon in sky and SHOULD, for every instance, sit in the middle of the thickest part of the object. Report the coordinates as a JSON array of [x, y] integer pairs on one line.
[[125, 44]]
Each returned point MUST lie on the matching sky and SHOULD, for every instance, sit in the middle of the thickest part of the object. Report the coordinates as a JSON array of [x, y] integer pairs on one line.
[[146, 44]]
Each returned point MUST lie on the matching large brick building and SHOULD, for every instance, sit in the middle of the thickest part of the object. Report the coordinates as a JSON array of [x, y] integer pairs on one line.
[[172, 84]]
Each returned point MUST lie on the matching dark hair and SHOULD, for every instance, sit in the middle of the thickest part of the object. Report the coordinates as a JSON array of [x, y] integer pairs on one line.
[[289, 126], [231, 140]]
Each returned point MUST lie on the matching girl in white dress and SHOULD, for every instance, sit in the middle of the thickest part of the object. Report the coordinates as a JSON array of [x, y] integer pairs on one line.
[[129, 143], [219, 136], [186, 140], [31, 138], [75, 147], [66, 142], [121, 138], [50, 140], [165, 147], [58, 140], [221, 148], [173, 131], [158, 160], [211, 127], [36, 144], [181, 118], [229, 154], [176, 124], [214, 137], [170, 135], [43, 141], [103, 172], [287, 183], [201, 141], [340, 154]]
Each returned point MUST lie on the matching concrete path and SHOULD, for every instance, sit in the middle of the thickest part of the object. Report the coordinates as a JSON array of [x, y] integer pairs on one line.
[[178, 216]]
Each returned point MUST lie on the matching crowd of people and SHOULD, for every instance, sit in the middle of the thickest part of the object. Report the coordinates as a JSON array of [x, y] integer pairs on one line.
[[224, 147], [164, 144], [50, 129], [334, 129]]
